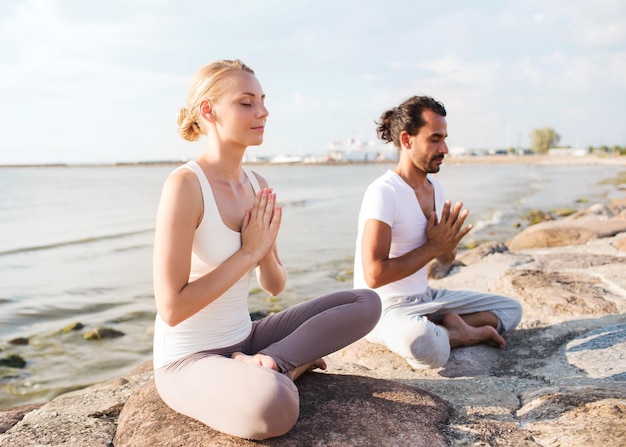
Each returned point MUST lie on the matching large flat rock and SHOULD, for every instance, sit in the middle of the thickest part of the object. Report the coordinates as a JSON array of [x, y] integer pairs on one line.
[[335, 410]]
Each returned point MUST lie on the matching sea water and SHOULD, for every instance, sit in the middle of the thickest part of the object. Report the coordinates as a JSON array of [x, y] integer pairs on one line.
[[76, 246]]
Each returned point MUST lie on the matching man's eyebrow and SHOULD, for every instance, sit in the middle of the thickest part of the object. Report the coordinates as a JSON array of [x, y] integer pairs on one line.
[[440, 135]]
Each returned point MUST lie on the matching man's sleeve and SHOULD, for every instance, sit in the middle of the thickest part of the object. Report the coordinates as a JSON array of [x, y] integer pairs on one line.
[[379, 203]]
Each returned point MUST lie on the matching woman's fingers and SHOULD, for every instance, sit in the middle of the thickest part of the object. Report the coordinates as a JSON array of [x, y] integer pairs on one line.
[[265, 217], [260, 203]]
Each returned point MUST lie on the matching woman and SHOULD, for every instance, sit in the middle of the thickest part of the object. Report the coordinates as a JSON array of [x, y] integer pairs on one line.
[[217, 221]]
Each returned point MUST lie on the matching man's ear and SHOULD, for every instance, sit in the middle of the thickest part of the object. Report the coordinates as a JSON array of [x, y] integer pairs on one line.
[[206, 110], [405, 140]]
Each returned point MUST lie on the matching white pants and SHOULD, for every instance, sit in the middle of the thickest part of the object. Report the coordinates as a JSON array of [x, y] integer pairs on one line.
[[405, 326]]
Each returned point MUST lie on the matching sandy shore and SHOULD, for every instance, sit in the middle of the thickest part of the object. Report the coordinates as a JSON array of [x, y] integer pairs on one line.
[[551, 160]]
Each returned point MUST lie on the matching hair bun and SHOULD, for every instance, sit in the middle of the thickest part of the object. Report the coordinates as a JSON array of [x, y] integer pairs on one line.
[[187, 127]]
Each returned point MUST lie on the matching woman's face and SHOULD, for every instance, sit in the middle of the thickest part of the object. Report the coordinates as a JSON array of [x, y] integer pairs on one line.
[[240, 111]]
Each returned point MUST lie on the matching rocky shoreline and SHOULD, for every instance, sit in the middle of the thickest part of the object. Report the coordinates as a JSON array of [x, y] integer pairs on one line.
[[560, 380]]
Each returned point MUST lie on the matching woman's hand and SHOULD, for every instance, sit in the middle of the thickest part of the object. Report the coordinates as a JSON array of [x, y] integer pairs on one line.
[[260, 225]]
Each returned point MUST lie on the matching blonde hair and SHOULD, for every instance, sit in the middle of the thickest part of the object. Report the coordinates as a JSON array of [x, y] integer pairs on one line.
[[205, 84]]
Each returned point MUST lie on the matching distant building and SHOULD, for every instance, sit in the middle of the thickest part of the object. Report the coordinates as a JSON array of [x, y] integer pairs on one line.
[[459, 151], [285, 159], [568, 151]]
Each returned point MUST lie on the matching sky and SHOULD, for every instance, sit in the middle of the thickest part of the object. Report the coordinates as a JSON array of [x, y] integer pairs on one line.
[[101, 81]]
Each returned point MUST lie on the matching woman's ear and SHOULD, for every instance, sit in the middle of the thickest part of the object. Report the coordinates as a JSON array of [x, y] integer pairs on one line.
[[206, 110]]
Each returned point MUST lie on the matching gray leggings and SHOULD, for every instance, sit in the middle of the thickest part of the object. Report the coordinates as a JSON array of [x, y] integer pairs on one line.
[[254, 402]]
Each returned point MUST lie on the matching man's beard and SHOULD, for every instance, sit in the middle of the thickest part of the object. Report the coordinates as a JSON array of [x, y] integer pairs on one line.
[[434, 168]]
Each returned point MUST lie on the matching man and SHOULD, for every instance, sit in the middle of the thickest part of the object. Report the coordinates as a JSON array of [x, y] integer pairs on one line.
[[404, 223]]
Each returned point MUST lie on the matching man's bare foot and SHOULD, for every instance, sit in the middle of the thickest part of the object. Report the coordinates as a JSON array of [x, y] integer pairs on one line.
[[258, 359], [293, 374], [462, 334]]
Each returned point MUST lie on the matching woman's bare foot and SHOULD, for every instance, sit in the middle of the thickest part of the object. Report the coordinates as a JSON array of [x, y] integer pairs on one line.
[[258, 359], [293, 374], [462, 334]]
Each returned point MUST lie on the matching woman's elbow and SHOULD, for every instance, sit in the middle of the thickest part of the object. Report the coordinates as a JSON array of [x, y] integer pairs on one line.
[[273, 285], [169, 318], [276, 288], [167, 312]]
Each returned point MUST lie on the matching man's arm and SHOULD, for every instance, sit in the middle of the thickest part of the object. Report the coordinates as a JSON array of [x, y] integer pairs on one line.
[[447, 258], [442, 239]]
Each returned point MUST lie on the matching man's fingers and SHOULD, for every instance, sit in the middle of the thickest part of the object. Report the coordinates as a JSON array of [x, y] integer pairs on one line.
[[456, 211], [445, 212]]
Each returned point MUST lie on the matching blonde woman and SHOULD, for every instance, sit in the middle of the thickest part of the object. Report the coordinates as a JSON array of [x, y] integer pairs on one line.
[[217, 222]]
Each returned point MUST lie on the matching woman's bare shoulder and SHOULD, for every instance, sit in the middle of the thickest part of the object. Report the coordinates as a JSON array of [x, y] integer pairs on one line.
[[262, 182]]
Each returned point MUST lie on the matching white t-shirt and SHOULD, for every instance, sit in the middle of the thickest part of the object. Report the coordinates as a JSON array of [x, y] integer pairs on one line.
[[224, 322], [391, 200]]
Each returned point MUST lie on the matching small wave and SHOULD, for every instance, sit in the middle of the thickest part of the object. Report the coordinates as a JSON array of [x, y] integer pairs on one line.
[[88, 240], [494, 219], [295, 203]]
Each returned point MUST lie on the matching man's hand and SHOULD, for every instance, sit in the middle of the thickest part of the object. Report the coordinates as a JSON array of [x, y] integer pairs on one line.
[[447, 233]]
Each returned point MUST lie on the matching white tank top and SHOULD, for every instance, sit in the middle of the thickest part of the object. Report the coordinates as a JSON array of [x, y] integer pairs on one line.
[[226, 320]]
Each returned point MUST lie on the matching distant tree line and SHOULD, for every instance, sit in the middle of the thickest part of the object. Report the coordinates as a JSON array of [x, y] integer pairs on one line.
[[604, 149], [544, 138]]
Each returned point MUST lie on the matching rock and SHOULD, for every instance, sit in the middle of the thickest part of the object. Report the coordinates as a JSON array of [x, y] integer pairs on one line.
[[436, 270], [551, 234], [339, 410], [595, 222], [621, 244], [578, 417], [10, 417], [558, 295], [600, 353], [75, 326], [484, 249], [13, 361], [101, 333], [86, 417], [20, 341], [559, 381]]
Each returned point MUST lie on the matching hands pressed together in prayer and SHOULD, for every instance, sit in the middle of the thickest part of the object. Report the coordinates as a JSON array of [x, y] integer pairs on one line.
[[448, 232], [261, 224]]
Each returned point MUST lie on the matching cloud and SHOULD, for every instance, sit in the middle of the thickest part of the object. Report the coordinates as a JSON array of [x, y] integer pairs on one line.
[[599, 23], [111, 75]]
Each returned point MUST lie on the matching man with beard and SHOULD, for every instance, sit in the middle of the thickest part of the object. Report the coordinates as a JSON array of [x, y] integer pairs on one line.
[[405, 223]]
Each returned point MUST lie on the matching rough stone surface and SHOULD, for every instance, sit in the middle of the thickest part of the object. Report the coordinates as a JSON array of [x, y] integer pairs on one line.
[[10, 417], [595, 222], [336, 410], [86, 417], [559, 382]]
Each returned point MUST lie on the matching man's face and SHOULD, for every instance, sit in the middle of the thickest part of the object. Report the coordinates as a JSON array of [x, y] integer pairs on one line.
[[428, 147]]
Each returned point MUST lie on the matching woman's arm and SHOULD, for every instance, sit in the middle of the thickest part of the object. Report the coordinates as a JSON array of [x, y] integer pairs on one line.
[[179, 214], [271, 274]]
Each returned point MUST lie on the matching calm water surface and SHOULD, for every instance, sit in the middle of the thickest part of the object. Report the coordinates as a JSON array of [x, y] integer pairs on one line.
[[76, 246]]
